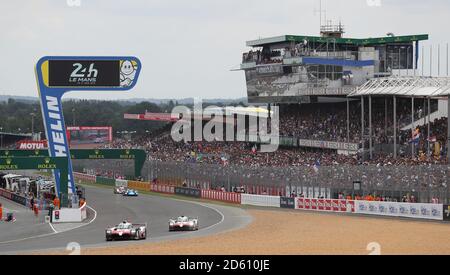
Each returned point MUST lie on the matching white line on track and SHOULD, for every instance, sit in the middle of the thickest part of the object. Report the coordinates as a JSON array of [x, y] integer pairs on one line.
[[51, 226]]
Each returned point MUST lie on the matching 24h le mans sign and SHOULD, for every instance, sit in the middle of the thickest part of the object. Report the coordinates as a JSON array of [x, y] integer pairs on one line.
[[57, 75]]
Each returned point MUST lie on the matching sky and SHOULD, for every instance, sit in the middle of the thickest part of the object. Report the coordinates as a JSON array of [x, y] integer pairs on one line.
[[187, 47]]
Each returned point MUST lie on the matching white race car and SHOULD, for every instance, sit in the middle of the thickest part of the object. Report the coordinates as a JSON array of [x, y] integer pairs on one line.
[[120, 190], [183, 223], [126, 231]]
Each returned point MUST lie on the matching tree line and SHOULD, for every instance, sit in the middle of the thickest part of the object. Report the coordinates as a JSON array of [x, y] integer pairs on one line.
[[17, 116]]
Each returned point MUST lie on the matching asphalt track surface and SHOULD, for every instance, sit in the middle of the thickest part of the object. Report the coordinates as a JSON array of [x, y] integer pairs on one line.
[[30, 234]]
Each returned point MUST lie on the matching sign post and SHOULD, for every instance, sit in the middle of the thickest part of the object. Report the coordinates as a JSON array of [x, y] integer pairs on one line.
[[57, 75]]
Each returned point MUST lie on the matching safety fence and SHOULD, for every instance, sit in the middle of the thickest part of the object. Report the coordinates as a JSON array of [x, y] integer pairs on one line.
[[379, 208]]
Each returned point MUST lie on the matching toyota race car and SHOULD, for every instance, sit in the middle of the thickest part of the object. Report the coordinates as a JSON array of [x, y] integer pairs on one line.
[[120, 190], [130, 193], [126, 231], [183, 223]]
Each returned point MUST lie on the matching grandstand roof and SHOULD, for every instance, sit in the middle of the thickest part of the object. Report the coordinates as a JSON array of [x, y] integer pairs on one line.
[[348, 41], [417, 86]]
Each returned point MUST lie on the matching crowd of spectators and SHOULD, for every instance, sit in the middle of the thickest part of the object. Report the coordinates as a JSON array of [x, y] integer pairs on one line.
[[327, 122]]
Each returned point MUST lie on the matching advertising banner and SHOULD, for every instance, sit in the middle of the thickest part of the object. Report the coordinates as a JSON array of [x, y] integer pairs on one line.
[[446, 212], [31, 145], [287, 202], [400, 209], [190, 192], [89, 136], [221, 196], [328, 144], [325, 205]]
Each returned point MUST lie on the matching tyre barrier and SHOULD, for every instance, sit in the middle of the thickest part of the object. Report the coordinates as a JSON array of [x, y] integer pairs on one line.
[[221, 196]]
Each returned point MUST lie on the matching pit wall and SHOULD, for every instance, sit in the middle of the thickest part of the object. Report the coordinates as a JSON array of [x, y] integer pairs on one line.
[[392, 209], [69, 215]]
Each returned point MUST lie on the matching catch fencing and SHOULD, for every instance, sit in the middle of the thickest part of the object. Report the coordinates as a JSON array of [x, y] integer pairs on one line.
[[424, 182]]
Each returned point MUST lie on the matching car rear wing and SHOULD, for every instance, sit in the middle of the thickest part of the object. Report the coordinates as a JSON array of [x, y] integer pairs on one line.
[[139, 224]]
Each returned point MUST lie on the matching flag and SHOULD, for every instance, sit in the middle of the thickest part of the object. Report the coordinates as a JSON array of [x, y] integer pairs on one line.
[[416, 137], [224, 160], [316, 166]]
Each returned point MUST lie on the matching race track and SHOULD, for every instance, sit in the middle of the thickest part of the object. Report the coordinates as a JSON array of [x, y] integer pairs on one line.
[[29, 234]]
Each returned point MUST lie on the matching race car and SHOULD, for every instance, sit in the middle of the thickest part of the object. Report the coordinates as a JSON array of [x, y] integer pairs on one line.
[[130, 193], [183, 223], [126, 231], [120, 190]]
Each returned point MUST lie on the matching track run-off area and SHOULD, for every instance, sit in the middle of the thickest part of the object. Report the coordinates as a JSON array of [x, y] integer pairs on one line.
[[29, 234]]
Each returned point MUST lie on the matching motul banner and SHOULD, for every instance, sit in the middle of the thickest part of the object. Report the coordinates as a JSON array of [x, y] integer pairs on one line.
[[325, 205], [31, 145]]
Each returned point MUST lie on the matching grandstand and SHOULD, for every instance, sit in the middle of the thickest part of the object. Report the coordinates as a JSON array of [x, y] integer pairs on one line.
[[350, 110]]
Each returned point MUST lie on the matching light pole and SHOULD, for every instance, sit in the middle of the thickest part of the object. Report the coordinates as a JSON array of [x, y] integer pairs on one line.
[[33, 115], [1, 144], [73, 116]]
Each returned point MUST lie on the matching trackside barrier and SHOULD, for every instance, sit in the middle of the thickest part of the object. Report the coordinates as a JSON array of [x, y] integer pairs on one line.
[[287, 202], [162, 188], [329, 205], [84, 177], [70, 214], [189, 192], [42, 204], [123, 183], [258, 200], [221, 196], [105, 181], [139, 185], [6, 194], [401, 209]]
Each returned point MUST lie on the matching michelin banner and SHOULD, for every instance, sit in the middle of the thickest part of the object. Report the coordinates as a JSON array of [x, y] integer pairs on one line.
[[57, 75], [400, 209]]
